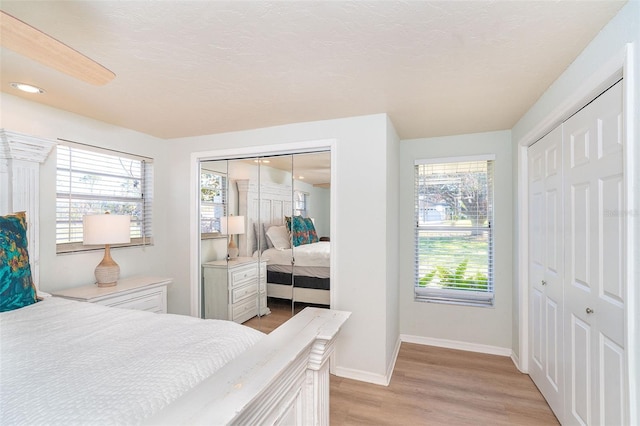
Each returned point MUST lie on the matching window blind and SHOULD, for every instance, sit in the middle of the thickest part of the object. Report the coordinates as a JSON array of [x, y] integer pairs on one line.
[[454, 231], [213, 201], [92, 180]]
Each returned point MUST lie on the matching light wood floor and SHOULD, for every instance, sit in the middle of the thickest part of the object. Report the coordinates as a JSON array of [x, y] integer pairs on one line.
[[433, 386]]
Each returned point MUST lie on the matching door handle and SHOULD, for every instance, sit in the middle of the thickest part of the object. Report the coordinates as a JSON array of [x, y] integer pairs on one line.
[[589, 310]]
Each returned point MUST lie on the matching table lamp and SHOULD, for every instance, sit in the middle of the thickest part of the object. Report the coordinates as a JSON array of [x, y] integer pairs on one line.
[[106, 229], [232, 225]]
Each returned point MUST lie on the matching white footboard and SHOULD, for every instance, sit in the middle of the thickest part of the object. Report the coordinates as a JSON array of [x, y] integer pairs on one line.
[[283, 379]]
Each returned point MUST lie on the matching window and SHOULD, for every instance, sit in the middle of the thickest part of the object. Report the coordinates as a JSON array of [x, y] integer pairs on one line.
[[213, 201], [92, 180], [454, 231], [300, 205]]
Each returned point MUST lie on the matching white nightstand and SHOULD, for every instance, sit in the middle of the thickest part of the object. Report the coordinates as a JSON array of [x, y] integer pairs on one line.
[[235, 290], [142, 293]]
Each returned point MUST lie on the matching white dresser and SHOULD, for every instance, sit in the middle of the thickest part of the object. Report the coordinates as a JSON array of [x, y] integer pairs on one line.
[[142, 293], [235, 290]]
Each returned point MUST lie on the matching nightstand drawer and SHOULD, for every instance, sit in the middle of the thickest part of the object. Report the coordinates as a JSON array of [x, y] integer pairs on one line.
[[153, 300], [244, 310], [240, 293], [243, 275]]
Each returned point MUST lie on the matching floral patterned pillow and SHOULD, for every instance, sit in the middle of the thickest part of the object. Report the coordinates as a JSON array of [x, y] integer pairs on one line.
[[16, 286], [298, 230], [311, 229]]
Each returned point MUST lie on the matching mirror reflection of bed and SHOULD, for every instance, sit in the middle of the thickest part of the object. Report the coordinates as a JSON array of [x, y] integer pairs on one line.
[[277, 272]]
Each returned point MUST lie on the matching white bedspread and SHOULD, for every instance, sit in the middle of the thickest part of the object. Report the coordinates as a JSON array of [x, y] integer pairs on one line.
[[65, 362], [316, 254]]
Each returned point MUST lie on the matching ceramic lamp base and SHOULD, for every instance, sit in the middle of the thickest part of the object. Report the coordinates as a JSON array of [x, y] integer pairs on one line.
[[108, 271], [232, 249]]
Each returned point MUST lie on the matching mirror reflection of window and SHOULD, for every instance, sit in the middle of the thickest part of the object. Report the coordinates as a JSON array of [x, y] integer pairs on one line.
[[213, 201], [300, 203]]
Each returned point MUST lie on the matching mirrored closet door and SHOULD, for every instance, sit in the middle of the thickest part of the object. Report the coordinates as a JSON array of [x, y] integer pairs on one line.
[[262, 222]]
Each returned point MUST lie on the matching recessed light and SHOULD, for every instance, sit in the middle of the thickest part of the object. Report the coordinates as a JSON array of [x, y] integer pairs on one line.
[[300, 177], [27, 88]]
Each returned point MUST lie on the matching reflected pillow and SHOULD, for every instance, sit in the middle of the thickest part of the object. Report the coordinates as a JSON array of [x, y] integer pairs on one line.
[[279, 237], [16, 286], [260, 234], [311, 229], [298, 229]]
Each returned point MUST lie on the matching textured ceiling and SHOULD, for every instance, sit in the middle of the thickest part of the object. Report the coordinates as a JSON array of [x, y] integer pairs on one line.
[[186, 68]]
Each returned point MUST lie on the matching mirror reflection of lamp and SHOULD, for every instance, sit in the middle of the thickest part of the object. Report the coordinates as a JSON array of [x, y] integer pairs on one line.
[[106, 229], [232, 225]]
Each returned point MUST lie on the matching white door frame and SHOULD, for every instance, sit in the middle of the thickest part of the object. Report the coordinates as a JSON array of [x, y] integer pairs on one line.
[[252, 151], [620, 65]]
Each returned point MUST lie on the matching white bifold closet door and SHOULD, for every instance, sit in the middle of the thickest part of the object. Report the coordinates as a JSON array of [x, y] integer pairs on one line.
[[576, 264], [546, 268], [594, 260]]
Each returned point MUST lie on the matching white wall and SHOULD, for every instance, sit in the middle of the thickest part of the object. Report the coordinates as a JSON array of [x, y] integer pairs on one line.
[[470, 325], [392, 244], [71, 270], [358, 235], [591, 68], [319, 210]]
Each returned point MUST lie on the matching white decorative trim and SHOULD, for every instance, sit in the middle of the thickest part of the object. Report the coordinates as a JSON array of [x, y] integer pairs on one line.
[[244, 152], [456, 344], [20, 158], [18, 146], [631, 183]]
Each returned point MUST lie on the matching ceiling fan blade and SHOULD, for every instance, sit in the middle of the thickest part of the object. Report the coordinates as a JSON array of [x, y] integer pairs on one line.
[[33, 43]]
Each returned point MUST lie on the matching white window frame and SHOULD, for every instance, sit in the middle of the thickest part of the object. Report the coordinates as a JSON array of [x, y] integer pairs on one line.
[[222, 203], [431, 293], [141, 229], [300, 198]]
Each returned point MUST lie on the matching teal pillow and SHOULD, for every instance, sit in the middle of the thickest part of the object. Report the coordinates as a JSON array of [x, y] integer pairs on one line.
[[16, 286], [311, 229], [298, 230]]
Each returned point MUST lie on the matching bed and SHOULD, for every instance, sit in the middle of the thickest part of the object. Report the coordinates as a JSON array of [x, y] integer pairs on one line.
[[139, 361], [301, 274], [307, 280], [69, 362]]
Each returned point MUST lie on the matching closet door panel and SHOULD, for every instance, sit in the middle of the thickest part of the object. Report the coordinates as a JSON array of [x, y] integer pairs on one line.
[[546, 268], [612, 392], [554, 344], [595, 286], [537, 319], [580, 391], [612, 225], [580, 239]]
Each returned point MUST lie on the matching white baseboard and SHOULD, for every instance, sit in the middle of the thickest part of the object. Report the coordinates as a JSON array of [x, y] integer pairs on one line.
[[392, 364], [516, 360], [365, 376], [455, 344]]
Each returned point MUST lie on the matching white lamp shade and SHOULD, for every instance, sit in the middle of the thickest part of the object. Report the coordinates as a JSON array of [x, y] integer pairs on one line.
[[232, 225], [106, 229]]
